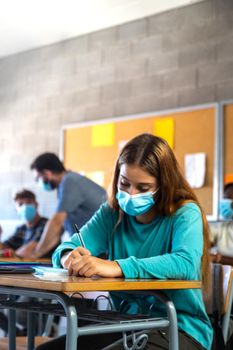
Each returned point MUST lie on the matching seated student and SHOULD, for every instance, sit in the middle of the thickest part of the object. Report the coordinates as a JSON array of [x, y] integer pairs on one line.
[[221, 233], [24, 240], [152, 227]]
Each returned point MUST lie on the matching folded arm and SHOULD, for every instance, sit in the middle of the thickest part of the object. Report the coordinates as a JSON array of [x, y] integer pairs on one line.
[[51, 235]]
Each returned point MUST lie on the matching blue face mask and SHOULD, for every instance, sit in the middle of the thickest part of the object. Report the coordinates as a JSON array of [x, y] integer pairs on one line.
[[46, 186], [225, 209], [136, 204], [27, 212]]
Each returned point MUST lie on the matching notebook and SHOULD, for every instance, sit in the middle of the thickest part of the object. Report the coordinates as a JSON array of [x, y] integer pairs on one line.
[[16, 269], [19, 267]]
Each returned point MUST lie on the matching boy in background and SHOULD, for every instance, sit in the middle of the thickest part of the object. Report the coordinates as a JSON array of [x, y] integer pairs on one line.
[[24, 240]]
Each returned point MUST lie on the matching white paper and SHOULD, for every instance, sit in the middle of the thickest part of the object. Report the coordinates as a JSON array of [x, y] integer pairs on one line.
[[195, 169], [48, 271]]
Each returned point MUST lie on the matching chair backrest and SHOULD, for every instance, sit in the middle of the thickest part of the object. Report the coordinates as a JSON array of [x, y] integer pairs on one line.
[[228, 299], [214, 299], [219, 299], [227, 286]]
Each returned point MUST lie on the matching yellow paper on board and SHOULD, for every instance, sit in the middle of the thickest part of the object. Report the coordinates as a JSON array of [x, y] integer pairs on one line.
[[164, 127], [103, 135]]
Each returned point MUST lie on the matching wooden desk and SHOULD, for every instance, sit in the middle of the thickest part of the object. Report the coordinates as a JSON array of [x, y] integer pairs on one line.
[[82, 284], [57, 288]]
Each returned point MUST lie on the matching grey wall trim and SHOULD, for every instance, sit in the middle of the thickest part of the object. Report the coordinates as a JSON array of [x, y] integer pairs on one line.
[[140, 115], [218, 163], [221, 146]]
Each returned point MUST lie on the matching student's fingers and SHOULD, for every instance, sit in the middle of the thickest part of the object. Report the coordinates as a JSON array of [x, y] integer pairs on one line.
[[76, 263], [66, 260], [86, 268], [87, 271], [82, 264], [70, 269], [82, 251], [90, 266], [75, 266], [96, 266], [75, 254]]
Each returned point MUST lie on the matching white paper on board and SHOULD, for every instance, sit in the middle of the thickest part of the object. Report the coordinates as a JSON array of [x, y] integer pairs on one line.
[[195, 169]]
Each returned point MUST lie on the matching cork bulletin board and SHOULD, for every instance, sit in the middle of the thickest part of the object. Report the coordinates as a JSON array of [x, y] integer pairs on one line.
[[92, 148]]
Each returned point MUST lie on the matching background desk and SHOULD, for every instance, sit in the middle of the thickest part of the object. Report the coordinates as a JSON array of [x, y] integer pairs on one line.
[[57, 288]]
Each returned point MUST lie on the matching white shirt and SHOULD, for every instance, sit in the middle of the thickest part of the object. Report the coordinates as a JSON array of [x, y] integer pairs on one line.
[[221, 234]]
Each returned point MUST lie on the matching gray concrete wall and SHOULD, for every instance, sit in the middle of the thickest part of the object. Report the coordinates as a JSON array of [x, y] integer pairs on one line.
[[177, 58]]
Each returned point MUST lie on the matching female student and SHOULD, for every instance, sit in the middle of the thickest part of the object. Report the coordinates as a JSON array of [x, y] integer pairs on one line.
[[151, 227]]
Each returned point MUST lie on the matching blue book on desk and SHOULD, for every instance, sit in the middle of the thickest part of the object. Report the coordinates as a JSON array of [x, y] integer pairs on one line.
[[20, 267]]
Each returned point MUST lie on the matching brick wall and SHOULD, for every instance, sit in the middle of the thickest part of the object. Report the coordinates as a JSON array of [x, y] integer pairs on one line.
[[177, 58]]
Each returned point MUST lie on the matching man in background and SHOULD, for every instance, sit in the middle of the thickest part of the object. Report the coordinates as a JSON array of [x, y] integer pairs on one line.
[[78, 199], [26, 236], [222, 231]]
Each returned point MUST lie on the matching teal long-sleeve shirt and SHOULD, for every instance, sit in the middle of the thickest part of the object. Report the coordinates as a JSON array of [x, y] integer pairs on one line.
[[170, 247]]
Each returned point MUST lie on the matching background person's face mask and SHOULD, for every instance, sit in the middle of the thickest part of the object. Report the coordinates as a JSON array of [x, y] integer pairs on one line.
[[27, 212], [225, 208], [136, 204], [46, 186]]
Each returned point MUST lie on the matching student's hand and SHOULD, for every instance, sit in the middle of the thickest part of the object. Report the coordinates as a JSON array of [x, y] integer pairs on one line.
[[70, 257], [27, 250], [80, 263], [215, 258], [89, 266]]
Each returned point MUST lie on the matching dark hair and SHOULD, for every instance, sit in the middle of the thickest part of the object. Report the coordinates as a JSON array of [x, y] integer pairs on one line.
[[48, 161], [228, 186], [154, 156], [25, 194]]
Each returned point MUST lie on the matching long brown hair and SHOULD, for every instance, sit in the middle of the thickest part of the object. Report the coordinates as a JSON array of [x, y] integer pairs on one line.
[[154, 156]]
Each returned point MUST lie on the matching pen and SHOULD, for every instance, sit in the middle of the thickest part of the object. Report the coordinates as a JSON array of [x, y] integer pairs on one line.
[[79, 235]]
